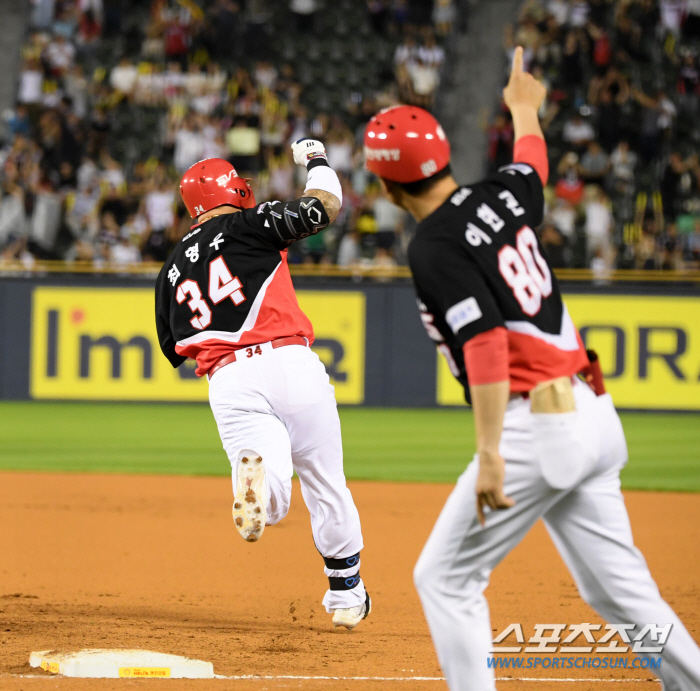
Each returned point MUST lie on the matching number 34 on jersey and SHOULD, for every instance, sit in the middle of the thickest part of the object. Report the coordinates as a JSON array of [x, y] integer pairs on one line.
[[222, 285]]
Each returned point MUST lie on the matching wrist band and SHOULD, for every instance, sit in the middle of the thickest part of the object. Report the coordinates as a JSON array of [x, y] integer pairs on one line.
[[318, 160]]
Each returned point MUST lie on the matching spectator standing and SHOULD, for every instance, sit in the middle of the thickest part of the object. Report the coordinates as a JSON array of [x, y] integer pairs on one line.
[[595, 164], [349, 249], [188, 144], [281, 176], [243, 145], [81, 208], [159, 206], [688, 85], [670, 248], [623, 162], [667, 114], [652, 116], [692, 247], [60, 54], [431, 53], [599, 227], [122, 250], [339, 147], [18, 123], [554, 245], [390, 223], [578, 14], [13, 219], [31, 80], [578, 132], [177, 39], [406, 52], [559, 9], [570, 186], [77, 88], [672, 12], [563, 217], [123, 77], [89, 30], [424, 82], [265, 74], [444, 15], [675, 171]]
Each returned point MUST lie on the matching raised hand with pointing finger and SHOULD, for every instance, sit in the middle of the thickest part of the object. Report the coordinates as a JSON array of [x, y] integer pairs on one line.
[[523, 89], [524, 96]]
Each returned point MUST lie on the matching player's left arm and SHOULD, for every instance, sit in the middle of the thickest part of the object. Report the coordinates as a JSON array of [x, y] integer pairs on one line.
[[489, 402], [462, 294], [486, 359]]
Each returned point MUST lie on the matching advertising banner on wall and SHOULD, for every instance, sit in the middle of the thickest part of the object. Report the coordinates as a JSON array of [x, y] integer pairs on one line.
[[101, 344], [649, 349]]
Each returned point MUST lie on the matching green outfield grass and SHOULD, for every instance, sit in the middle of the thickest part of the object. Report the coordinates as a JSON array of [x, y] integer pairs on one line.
[[380, 444]]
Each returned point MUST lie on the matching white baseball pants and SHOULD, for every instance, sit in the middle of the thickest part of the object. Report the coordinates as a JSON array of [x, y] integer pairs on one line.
[[281, 404], [590, 528]]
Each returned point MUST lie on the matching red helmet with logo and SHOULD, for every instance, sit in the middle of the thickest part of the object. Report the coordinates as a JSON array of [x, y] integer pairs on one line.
[[214, 182], [405, 144]]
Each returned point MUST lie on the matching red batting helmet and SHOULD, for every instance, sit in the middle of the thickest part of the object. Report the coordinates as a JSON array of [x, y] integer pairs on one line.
[[214, 182], [405, 144]]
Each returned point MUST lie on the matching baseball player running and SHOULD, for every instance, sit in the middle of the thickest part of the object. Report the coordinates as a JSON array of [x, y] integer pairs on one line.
[[225, 299], [489, 300]]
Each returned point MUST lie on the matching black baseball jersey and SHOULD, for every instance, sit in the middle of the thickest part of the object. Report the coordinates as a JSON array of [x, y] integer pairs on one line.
[[226, 284], [478, 264]]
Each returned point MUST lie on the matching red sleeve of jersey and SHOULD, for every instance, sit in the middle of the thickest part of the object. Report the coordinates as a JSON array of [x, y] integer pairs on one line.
[[486, 357], [532, 150]]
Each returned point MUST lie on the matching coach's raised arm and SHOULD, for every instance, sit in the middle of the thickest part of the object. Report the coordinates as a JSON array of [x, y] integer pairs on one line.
[[524, 96]]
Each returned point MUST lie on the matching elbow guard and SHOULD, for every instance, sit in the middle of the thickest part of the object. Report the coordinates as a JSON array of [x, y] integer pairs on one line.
[[299, 218]]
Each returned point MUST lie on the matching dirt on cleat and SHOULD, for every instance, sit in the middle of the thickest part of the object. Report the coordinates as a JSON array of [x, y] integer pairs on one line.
[[249, 514]]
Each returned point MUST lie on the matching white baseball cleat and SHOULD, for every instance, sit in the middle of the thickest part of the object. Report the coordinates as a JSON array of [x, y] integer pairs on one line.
[[351, 617], [249, 512]]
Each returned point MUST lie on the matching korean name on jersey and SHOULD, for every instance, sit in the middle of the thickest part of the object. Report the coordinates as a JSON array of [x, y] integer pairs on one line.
[[227, 285], [477, 264]]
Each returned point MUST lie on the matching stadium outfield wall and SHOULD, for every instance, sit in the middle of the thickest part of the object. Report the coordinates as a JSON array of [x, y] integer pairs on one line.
[[93, 338]]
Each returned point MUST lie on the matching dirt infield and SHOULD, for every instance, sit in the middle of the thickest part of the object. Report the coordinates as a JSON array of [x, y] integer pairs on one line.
[[154, 562]]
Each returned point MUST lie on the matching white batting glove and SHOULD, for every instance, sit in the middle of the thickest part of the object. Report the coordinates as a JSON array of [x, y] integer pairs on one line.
[[306, 150]]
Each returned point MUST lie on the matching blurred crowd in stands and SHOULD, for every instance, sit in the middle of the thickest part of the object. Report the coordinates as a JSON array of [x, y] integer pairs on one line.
[[621, 121], [117, 98]]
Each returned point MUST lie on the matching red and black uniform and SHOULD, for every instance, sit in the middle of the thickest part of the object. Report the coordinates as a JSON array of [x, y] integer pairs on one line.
[[227, 284], [486, 292]]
